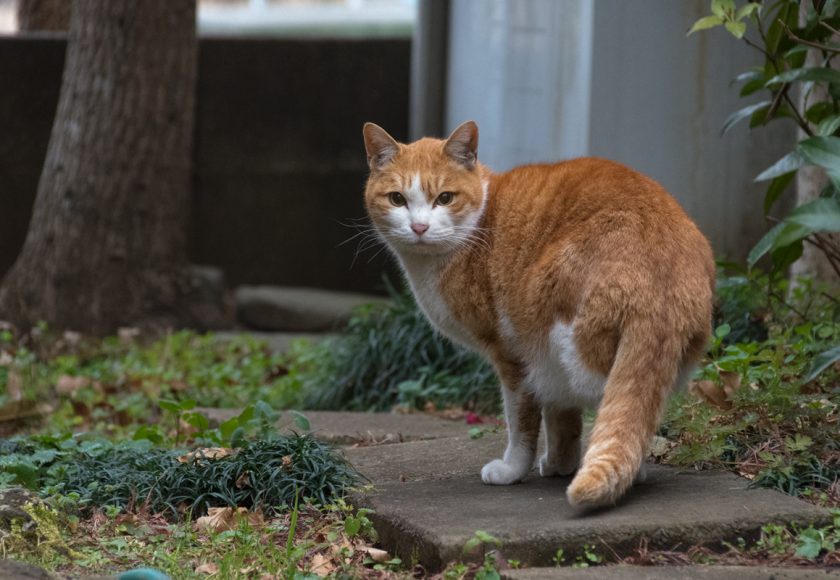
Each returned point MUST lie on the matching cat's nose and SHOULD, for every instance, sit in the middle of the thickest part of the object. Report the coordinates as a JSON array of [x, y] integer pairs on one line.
[[419, 229]]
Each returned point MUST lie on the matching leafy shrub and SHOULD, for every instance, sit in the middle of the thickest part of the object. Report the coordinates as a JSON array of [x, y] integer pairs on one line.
[[389, 355], [774, 30]]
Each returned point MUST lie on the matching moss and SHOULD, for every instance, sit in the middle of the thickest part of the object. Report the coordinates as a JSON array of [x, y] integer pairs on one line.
[[38, 538]]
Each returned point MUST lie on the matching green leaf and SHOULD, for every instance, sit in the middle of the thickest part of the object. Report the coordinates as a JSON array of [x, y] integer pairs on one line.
[[817, 74], [736, 29], [741, 114], [705, 23], [776, 189], [352, 525], [828, 126], [819, 215], [227, 428], [301, 420], [821, 362], [747, 10], [168, 405], [790, 162], [764, 244], [810, 544], [721, 7], [723, 330], [823, 152]]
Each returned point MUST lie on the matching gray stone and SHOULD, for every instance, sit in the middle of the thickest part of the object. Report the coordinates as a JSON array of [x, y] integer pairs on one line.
[[430, 521], [673, 573], [12, 501], [297, 309], [357, 428], [13, 570], [427, 460], [205, 301]]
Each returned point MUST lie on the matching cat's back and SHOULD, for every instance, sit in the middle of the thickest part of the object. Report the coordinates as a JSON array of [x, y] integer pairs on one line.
[[562, 231]]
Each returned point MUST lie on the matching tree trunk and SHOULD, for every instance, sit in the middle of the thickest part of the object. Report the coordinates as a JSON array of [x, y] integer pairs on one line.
[[107, 244], [51, 15]]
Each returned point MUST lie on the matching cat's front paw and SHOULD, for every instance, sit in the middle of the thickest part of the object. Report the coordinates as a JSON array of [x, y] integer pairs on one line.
[[497, 472], [549, 467]]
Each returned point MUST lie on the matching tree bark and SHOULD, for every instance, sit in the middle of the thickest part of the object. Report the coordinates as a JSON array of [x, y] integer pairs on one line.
[[53, 15], [107, 244]]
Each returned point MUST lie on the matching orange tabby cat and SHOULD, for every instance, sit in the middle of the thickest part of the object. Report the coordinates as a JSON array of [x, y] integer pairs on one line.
[[583, 282]]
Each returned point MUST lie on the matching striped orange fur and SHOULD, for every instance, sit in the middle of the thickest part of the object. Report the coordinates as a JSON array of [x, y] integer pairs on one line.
[[583, 282]]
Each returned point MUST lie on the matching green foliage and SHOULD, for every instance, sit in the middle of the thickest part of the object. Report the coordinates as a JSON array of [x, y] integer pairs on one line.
[[262, 474], [776, 429], [784, 42], [121, 384], [389, 355]]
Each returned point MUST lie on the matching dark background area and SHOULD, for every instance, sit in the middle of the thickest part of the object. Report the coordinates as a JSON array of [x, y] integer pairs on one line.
[[279, 162]]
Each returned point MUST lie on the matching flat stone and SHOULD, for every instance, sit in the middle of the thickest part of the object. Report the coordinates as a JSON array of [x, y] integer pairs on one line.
[[427, 460], [12, 500], [430, 521], [277, 342], [673, 573], [297, 309], [357, 428]]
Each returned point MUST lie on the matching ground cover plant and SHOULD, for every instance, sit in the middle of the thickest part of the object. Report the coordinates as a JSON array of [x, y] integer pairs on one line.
[[389, 355]]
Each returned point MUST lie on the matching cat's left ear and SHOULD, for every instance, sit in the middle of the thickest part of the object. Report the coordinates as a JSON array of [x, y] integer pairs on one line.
[[462, 145], [381, 148]]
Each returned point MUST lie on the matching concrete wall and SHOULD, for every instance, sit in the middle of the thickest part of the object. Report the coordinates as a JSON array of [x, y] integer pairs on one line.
[[279, 159], [554, 79]]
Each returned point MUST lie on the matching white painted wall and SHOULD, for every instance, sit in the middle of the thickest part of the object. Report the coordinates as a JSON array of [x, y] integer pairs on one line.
[[554, 79]]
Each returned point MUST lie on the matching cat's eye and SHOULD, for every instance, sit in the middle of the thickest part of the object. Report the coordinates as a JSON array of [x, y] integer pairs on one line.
[[445, 198], [396, 198]]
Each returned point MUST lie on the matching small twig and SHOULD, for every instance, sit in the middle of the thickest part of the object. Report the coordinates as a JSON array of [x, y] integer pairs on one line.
[[830, 297], [791, 35], [803, 124], [832, 259], [833, 30]]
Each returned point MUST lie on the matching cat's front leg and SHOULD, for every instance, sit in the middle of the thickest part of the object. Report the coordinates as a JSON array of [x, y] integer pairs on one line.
[[522, 415]]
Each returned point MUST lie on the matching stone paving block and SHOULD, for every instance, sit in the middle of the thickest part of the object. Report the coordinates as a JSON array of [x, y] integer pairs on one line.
[[428, 459], [349, 428], [297, 309], [673, 573], [430, 521]]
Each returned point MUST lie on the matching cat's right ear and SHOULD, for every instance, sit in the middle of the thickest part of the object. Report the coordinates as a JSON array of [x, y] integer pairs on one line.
[[380, 146]]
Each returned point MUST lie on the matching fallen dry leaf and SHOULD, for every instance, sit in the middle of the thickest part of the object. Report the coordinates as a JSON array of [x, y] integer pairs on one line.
[[710, 392], [287, 461], [321, 565], [209, 569], [242, 480], [376, 554], [220, 519], [128, 334], [67, 385], [205, 453], [731, 382]]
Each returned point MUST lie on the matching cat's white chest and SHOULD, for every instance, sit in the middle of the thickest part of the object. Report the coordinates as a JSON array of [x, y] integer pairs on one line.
[[424, 280]]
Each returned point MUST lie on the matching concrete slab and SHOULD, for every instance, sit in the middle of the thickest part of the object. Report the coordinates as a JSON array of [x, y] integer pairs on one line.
[[430, 521], [356, 428], [673, 573], [426, 460]]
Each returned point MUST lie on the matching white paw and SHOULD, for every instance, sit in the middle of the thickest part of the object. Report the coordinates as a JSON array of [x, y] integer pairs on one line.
[[497, 472], [557, 466]]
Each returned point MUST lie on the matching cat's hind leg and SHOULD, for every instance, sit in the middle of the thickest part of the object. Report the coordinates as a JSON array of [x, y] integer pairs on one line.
[[522, 416], [562, 441]]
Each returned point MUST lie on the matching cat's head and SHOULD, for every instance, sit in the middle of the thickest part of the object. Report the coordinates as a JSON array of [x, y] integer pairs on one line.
[[425, 197]]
